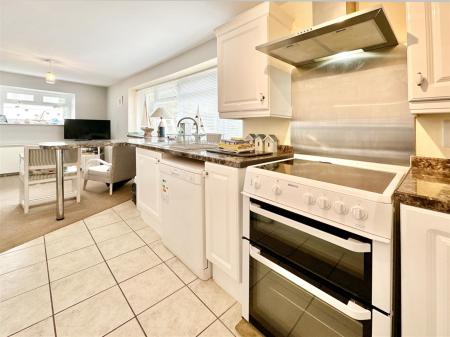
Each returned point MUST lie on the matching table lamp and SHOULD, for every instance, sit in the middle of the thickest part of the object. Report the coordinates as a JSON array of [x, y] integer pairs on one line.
[[161, 113]]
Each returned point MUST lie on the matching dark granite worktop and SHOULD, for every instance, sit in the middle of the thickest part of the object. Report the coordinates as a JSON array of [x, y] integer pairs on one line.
[[156, 144], [427, 184], [284, 152]]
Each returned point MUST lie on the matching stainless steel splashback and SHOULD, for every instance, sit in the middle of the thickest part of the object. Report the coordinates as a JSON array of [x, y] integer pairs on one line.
[[354, 107]]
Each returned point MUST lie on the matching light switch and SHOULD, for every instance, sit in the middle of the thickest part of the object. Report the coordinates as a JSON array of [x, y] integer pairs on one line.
[[446, 133]]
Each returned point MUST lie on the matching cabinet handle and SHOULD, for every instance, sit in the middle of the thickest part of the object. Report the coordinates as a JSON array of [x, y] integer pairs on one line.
[[261, 97], [419, 79]]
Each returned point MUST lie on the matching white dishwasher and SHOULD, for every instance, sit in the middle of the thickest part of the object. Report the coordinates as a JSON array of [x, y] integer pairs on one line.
[[183, 212]]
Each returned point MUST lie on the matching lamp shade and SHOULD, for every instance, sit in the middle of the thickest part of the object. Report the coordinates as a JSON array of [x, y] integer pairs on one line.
[[159, 112]]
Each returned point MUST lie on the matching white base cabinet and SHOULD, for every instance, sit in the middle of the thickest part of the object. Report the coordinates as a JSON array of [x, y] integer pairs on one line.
[[429, 56], [148, 195], [425, 267], [223, 215]]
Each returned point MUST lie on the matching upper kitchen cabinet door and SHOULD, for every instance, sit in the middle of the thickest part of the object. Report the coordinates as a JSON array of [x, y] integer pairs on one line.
[[250, 83], [428, 56], [425, 267], [242, 71]]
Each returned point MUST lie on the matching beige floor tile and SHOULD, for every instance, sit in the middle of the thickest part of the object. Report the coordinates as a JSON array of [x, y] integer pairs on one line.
[[232, 317], [217, 329], [70, 230], [41, 329], [136, 223], [181, 314], [124, 206], [183, 272], [101, 219], [21, 258], [212, 295], [94, 317], [148, 235], [161, 250], [24, 310], [68, 244], [110, 231], [79, 286], [127, 210], [22, 280], [129, 213], [132, 263], [35, 242], [120, 245], [144, 290], [129, 329], [70, 263]]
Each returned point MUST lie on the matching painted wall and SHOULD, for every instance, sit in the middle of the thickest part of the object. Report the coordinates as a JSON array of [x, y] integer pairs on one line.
[[429, 136], [90, 103], [118, 93]]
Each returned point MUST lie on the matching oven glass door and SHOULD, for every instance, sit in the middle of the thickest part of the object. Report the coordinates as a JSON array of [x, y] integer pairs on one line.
[[280, 307], [332, 256]]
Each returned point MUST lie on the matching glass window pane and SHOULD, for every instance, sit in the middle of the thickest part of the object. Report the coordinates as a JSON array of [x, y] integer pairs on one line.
[[185, 96], [19, 97], [30, 106], [53, 99]]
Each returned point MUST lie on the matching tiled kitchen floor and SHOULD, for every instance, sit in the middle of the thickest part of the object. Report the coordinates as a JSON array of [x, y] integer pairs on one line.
[[109, 275]]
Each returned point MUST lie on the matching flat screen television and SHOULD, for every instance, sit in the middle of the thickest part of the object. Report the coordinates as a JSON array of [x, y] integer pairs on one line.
[[87, 129]]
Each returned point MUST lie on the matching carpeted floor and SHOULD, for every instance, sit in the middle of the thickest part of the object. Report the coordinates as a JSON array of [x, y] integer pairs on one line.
[[17, 228]]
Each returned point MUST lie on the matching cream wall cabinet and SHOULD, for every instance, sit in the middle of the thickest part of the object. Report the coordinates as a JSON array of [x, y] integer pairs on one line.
[[425, 267], [429, 56], [148, 194], [250, 83], [223, 215]]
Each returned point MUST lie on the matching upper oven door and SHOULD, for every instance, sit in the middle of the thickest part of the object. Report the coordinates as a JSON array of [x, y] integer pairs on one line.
[[328, 256]]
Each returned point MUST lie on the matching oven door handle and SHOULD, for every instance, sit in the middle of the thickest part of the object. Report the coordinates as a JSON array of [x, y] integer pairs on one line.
[[349, 244], [351, 309]]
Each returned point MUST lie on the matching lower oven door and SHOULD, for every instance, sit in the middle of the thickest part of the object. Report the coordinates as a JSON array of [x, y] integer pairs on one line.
[[283, 304]]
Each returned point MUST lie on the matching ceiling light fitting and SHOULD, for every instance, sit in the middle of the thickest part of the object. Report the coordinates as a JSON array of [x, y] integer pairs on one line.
[[50, 77]]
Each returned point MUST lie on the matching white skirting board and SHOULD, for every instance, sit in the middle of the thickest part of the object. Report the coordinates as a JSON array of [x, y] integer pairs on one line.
[[231, 286]]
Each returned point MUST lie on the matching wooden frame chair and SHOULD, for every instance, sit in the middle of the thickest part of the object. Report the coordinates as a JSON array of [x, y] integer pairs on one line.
[[37, 166]]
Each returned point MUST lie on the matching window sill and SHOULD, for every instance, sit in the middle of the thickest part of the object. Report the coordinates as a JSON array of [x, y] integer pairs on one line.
[[31, 124]]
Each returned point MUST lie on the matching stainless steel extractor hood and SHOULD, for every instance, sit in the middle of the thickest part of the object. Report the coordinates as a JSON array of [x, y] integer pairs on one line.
[[367, 30]]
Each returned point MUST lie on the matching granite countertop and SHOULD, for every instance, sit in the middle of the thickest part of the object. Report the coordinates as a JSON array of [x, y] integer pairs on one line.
[[427, 184], [284, 152], [156, 144]]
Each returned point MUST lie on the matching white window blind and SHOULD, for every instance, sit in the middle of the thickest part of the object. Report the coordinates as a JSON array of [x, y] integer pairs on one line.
[[180, 98], [30, 106]]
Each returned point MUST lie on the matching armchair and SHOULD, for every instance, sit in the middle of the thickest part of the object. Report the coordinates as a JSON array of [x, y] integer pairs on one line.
[[121, 168]]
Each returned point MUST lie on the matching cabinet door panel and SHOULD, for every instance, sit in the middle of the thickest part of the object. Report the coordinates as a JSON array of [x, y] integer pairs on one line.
[[223, 218], [425, 249], [148, 193], [429, 51], [243, 78]]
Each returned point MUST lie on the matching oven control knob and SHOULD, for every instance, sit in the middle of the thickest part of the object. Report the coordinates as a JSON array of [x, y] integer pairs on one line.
[[340, 207], [308, 198], [323, 202], [276, 189], [256, 183], [359, 213]]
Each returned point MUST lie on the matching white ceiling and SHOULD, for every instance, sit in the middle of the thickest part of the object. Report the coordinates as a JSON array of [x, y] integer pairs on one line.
[[101, 42]]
